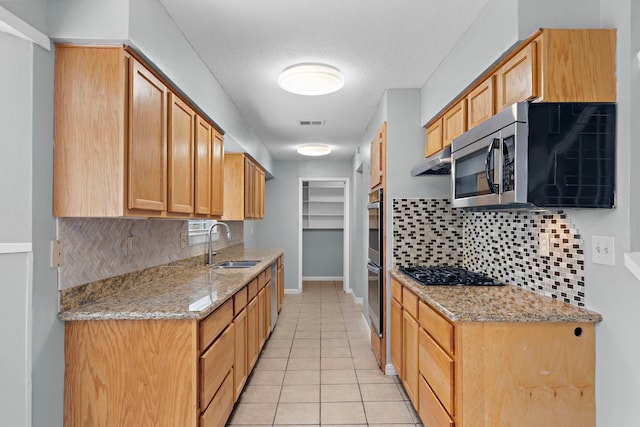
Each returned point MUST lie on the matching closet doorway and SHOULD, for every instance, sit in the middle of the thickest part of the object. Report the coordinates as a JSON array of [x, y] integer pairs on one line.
[[323, 240]]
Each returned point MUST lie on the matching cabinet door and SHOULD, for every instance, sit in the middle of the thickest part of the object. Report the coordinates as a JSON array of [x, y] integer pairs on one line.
[[481, 103], [280, 285], [249, 188], [259, 198], [396, 336], [147, 166], [431, 411], [252, 333], [454, 122], [240, 370], [182, 122], [217, 174], [262, 315], [434, 138], [410, 356], [378, 157], [203, 167], [518, 78], [267, 318]]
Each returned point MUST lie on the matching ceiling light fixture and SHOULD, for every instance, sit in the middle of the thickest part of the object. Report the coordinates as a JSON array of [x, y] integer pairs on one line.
[[314, 150], [311, 79]]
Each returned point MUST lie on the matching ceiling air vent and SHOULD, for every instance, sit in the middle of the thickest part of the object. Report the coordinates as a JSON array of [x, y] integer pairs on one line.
[[311, 122]]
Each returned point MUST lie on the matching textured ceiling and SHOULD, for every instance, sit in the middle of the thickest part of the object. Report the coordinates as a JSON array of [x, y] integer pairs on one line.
[[377, 44]]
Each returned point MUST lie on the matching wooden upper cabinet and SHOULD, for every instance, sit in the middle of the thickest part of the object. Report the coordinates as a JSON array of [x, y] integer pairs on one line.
[[454, 122], [518, 77], [203, 163], [147, 167], [217, 173], [434, 138], [481, 102], [378, 157], [125, 144], [243, 188], [182, 135]]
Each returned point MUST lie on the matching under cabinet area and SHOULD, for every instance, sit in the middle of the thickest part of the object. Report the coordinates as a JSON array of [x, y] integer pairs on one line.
[[490, 373], [166, 372], [126, 144]]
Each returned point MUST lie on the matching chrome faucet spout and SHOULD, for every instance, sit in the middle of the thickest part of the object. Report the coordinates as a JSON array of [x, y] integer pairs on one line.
[[210, 252]]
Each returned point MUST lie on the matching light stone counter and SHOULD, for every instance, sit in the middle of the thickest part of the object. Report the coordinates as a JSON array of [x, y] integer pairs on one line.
[[192, 292], [495, 303]]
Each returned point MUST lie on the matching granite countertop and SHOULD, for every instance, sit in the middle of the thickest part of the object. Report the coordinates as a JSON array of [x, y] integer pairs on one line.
[[507, 303], [190, 293]]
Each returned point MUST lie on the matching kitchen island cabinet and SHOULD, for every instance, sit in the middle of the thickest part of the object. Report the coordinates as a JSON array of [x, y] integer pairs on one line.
[[174, 352], [495, 356]]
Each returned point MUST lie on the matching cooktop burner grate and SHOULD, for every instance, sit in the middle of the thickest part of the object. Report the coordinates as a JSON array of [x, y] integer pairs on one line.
[[448, 275]]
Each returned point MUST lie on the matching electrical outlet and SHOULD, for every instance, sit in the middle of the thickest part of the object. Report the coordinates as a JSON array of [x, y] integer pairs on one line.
[[543, 244], [603, 250], [57, 253], [183, 240], [128, 245]]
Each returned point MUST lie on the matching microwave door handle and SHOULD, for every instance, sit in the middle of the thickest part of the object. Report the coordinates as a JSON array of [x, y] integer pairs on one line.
[[488, 162]]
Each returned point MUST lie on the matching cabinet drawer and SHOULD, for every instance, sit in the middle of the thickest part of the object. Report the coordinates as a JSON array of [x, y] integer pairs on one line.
[[431, 411], [410, 302], [221, 406], [253, 288], [240, 300], [267, 274], [518, 78], [261, 279], [454, 122], [396, 290], [481, 103], [215, 364], [215, 323], [437, 326], [437, 368]]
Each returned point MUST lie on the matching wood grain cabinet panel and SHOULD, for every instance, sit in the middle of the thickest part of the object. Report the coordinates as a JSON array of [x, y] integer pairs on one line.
[[221, 405], [280, 282], [518, 77], [203, 166], [217, 175], [253, 343], [243, 188], [215, 363], [378, 157], [440, 329], [431, 411], [181, 142], [481, 103], [436, 366], [396, 336], [240, 367], [454, 122], [434, 138], [410, 356]]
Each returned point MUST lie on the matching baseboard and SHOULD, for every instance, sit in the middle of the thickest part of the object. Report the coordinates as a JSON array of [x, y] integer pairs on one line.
[[389, 369], [356, 299], [292, 291], [367, 326], [322, 278]]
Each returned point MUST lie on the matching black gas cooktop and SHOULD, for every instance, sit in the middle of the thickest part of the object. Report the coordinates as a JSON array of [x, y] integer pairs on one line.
[[448, 275]]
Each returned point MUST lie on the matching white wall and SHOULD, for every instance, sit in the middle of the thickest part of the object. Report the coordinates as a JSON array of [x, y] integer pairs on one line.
[[15, 229]]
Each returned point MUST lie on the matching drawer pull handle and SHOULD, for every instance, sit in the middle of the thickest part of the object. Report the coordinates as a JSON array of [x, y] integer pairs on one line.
[[577, 331]]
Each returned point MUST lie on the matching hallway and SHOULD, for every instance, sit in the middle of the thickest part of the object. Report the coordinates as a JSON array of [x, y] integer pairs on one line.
[[318, 369]]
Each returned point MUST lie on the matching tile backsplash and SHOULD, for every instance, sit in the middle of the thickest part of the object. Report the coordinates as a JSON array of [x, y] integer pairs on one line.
[[96, 248], [503, 245]]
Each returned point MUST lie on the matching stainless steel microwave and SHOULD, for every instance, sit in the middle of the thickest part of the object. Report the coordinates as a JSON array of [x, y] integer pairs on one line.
[[537, 155]]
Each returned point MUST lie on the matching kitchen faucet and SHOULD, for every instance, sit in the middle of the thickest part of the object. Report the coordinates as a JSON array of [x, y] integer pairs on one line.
[[210, 252]]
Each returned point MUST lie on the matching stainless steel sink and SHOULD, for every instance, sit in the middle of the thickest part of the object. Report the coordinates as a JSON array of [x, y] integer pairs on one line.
[[235, 264]]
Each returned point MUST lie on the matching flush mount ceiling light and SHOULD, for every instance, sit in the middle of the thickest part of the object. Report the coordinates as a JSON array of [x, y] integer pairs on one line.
[[311, 79], [314, 150]]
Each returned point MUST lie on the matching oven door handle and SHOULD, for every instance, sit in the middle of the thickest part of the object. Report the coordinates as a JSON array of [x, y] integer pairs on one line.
[[373, 268], [373, 205]]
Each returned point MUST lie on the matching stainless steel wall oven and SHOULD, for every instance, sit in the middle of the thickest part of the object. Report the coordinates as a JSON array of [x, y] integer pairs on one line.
[[375, 276]]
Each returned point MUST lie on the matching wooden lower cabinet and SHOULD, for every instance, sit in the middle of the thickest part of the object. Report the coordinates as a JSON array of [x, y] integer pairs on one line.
[[396, 335], [486, 374], [280, 282], [185, 373]]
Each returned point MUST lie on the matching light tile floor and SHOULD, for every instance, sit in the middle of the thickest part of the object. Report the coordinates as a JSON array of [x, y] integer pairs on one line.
[[318, 369]]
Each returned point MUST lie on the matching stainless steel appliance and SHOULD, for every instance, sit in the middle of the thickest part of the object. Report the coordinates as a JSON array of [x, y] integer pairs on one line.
[[375, 276], [538, 155], [448, 275]]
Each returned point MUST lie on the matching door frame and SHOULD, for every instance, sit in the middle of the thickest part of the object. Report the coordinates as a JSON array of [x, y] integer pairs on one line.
[[346, 285]]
